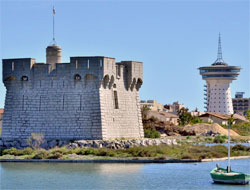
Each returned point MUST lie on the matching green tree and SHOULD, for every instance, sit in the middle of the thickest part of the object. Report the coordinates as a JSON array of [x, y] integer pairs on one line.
[[184, 116], [248, 115], [144, 111], [195, 120]]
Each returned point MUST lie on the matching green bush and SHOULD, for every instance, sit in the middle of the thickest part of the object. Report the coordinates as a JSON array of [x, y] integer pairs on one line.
[[83, 151], [183, 151], [219, 139], [208, 139], [62, 150], [151, 133], [41, 154], [18, 152], [55, 155], [240, 147], [27, 151]]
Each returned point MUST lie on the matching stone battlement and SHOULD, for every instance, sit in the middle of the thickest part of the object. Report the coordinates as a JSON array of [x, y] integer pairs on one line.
[[79, 69]]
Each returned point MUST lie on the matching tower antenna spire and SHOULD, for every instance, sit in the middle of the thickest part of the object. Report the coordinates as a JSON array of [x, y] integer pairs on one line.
[[219, 53], [54, 12]]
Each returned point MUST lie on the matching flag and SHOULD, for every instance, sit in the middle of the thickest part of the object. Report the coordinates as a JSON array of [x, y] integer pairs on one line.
[[54, 11]]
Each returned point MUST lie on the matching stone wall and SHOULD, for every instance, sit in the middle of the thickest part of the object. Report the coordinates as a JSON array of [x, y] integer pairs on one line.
[[124, 121], [112, 144], [75, 100]]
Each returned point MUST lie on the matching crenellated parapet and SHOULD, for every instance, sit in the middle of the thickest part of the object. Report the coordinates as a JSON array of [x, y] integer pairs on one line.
[[134, 74], [98, 69]]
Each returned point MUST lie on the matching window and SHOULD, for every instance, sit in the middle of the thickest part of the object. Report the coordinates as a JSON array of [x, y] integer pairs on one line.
[[101, 63], [118, 71], [88, 64], [77, 77], [24, 78], [116, 100], [76, 64], [13, 66]]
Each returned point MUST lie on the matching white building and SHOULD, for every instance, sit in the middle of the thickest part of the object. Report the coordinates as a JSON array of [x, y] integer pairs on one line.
[[152, 105], [218, 77], [221, 119]]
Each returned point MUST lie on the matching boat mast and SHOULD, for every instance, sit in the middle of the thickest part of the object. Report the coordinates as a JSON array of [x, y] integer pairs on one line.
[[228, 148], [230, 121]]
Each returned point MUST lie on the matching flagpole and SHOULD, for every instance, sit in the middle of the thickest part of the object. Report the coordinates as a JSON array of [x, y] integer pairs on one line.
[[53, 25]]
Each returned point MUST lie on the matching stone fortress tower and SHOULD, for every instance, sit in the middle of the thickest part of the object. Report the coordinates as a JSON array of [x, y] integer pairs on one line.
[[218, 77], [91, 97], [87, 98]]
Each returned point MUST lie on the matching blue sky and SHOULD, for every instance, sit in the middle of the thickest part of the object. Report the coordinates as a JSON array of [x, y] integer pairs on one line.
[[171, 38]]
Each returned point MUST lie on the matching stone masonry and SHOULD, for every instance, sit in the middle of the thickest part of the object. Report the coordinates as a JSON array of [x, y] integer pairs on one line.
[[88, 98]]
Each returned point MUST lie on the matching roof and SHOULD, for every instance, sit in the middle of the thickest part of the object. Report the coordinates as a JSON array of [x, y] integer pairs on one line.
[[1, 110], [224, 116], [166, 114]]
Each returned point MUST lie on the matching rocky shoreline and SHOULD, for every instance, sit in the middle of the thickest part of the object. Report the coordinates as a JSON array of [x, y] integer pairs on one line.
[[111, 144]]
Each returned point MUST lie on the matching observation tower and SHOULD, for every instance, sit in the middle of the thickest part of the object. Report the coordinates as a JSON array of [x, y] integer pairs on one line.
[[218, 77]]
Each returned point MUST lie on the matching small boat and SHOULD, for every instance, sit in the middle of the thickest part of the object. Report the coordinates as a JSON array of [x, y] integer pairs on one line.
[[222, 175]]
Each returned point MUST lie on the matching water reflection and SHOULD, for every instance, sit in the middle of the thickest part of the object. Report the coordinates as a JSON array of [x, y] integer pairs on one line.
[[72, 167], [108, 176]]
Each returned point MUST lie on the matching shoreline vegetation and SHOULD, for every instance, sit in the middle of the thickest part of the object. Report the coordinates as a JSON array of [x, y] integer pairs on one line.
[[180, 152]]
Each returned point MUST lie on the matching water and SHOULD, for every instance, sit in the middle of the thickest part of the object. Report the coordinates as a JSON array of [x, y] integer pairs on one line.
[[114, 176], [226, 144]]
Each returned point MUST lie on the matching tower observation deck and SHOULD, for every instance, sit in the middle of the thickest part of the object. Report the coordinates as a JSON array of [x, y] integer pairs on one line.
[[218, 77]]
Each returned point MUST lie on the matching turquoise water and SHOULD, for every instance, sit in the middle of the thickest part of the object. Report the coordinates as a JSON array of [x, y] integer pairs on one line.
[[114, 176]]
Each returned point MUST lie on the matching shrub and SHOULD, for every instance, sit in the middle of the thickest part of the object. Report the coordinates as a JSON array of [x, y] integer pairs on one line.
[[41, 154], [195, 120], [27, 151], [208, 139], [62, 150], [11, 151], [186, 156], [17, 152], [219, 139], [151, 133], [36, 140], [89, 151], [55, 155], [106, 152], [239, 147]]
